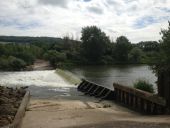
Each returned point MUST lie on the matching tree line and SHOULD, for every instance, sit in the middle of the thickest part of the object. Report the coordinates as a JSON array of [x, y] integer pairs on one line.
[[95, 48]]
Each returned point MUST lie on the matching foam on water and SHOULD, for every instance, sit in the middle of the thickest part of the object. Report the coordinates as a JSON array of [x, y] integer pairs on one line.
[[42, 84], [36, 78]]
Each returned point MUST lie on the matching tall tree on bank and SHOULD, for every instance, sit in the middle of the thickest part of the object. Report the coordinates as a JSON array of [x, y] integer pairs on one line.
[[94, 43], [162, 62], [162, 66], [122, 48]]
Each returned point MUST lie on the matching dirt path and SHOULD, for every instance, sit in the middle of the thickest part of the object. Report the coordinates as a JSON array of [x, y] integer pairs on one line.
[[41, 65]]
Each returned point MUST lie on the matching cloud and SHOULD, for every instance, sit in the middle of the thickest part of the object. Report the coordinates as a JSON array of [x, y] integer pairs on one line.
[[96, 10], [137, 19], [18, 24], [60, 3], [149, 20], [87, 0], [145, 21], [164, 9]]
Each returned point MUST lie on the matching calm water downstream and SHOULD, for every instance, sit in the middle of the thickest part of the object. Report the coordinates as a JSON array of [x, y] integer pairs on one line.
[[106, 75], [47, 84]]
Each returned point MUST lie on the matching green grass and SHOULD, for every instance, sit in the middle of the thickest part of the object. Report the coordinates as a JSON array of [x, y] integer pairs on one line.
[[144, 86]]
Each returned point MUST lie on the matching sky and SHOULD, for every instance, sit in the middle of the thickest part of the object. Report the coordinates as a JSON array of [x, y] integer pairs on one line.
[[139, 20]]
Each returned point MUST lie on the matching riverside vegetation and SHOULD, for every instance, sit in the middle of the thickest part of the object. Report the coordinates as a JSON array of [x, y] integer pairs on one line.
[[144, 85], [95, 48]]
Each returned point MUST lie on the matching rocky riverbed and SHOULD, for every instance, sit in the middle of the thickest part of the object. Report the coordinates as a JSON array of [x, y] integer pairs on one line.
[[10, 100]]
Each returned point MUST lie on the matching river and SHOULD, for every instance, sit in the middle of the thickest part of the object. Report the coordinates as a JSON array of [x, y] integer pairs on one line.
[[47, 84], [42, 84], [106, 75]]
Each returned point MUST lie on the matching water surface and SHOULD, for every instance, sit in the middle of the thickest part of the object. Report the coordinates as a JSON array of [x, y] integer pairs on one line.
[[107, 75], [42, 84], [48, 84]]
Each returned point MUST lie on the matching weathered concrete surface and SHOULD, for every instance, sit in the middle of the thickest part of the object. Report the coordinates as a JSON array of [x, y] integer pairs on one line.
[[82, 111], [87, 113]]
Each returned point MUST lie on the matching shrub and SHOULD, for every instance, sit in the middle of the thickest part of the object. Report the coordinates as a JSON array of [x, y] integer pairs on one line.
[[143, 85], [12, 63], [16, 63], [55, 57]]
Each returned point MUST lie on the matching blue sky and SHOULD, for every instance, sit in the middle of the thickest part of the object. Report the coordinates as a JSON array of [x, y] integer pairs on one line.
[[149, 20], [137, 19]]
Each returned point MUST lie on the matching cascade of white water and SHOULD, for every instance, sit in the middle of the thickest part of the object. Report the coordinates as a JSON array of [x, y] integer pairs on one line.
[[43, 84], [36, 78]]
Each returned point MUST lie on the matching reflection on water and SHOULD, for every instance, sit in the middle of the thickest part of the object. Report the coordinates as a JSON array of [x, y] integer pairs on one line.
[[106, 75]]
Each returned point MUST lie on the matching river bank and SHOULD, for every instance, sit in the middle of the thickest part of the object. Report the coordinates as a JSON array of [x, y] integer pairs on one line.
[[10, 100]]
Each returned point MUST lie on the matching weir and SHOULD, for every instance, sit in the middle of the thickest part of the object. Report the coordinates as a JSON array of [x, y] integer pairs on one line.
[[93, 89], [132, 98]]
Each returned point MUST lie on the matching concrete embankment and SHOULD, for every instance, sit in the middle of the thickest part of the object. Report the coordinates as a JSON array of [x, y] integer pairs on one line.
[[13, 103], [68, 76], [83, 111]]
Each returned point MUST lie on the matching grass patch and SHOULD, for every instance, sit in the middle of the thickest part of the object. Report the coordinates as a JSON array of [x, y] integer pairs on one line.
[[106, 106], [144, 85]]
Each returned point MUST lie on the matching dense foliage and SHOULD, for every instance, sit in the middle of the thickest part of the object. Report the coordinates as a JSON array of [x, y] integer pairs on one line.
[[162, 59], [94, 44], [143, 85], [95, 47], [122, 48], [17, 56]]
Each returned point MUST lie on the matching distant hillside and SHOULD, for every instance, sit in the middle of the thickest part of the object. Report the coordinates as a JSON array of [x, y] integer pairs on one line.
[[25, 39]]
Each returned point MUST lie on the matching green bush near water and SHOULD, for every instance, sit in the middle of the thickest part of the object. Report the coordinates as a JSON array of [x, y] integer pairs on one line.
[[144, 85]]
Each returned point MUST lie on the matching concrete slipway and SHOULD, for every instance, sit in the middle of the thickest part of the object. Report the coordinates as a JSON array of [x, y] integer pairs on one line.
[[76, 110]]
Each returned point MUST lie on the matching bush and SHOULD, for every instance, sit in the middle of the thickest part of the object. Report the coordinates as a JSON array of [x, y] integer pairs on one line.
[[26, 56], [55, 57], [143, 85], [135, 55], [12, 63], [16, 63]]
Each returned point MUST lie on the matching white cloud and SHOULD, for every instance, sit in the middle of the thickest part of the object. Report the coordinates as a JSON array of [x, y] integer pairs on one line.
[[137, 19], [60, 3]]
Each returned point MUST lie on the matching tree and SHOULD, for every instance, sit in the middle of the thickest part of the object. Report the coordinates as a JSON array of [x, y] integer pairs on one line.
[[54, 57], [94, 43], [148, 46], [122, 48], [16, 63], [135, 55], [12, 63], [162, 66], [162, 62]]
